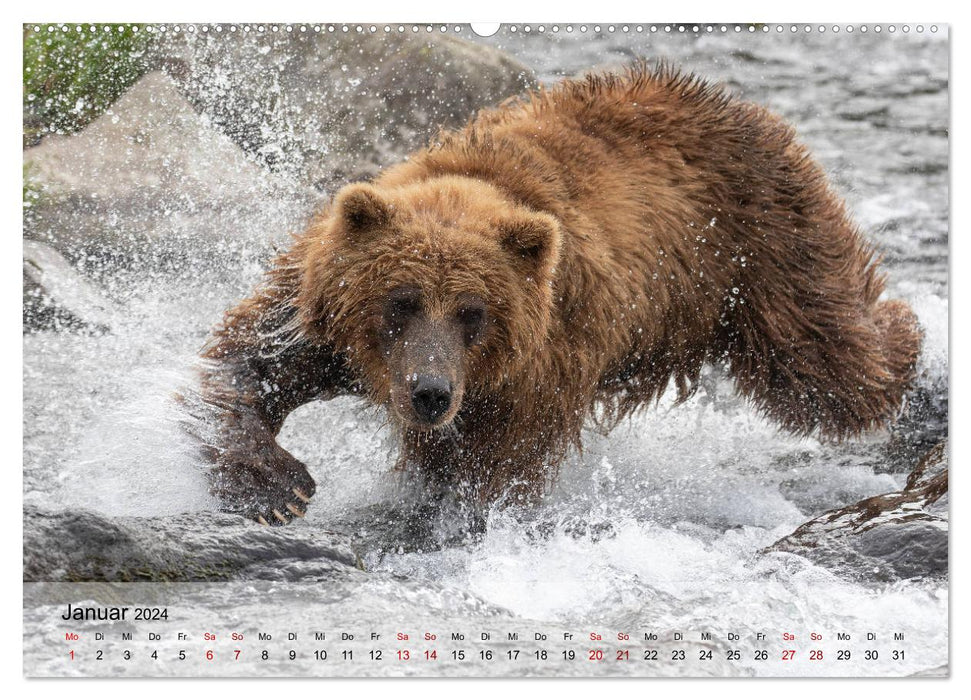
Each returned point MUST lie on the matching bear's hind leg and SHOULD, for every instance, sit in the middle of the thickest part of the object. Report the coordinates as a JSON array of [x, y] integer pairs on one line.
[[836, 373]]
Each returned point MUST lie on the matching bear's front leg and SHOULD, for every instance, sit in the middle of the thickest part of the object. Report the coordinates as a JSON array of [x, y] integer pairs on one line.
[[256, 370], [253, 476]]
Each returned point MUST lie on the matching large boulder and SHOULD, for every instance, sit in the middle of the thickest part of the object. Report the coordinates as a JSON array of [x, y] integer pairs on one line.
[[894, 536], [330, 107], [58, 297], [78, 545], [151, 178]]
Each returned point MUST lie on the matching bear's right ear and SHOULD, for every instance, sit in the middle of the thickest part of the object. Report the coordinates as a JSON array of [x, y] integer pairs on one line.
[[362, 211], [534, 240]]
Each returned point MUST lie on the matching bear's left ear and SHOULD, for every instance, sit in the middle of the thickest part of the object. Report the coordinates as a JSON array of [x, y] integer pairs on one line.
[[534, 239], [362, 211]]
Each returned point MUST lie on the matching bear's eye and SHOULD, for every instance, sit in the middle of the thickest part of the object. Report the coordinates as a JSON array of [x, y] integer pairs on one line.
[[402, 308], [472, 318], [402, 305]]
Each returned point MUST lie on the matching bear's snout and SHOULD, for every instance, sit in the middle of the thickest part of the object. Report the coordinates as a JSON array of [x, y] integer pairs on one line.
[[431, 397]]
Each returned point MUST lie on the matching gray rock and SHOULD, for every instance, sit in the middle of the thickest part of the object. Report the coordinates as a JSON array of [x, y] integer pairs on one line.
[[57, 296], [77, 545], [894, 536], [335, 107], [151, 178]]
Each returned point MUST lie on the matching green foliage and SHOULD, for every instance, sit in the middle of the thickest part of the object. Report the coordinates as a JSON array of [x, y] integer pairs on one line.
[[72, 73], [31, 188]]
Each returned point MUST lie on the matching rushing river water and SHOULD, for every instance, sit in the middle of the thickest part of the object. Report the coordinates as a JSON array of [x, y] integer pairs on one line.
[[657, 525]]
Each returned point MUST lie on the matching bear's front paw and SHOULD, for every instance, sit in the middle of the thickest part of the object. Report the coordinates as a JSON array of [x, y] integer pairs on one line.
[[261, 480]]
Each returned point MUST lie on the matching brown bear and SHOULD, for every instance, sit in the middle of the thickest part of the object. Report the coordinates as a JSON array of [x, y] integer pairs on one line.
[[562, 259]]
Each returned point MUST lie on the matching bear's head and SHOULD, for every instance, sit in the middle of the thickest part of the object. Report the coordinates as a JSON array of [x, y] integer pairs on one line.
[[431, 289]]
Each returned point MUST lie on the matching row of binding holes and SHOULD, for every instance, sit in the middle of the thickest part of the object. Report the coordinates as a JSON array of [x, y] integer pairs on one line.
[[514, 28]]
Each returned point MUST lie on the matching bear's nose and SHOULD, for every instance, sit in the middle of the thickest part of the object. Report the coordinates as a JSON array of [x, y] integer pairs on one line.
[[431, 397]]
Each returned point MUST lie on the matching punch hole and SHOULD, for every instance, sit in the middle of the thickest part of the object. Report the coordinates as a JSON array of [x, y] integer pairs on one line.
[[484, 29]]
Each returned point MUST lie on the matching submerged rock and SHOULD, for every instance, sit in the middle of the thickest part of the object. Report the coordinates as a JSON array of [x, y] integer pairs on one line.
[[57, 297], [902, 535], [79, 545], [329, 106], [151, 178]]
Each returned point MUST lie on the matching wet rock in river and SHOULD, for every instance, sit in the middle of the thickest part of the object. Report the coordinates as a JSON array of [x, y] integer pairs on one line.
[[151, 179], [331, 107], [57, 296], [901, 535], [78, 545]]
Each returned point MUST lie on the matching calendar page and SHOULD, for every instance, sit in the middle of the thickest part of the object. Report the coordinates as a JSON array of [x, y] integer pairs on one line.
[[449, 350]]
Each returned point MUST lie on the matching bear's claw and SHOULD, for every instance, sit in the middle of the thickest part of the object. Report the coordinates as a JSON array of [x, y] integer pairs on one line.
[[301, 495]]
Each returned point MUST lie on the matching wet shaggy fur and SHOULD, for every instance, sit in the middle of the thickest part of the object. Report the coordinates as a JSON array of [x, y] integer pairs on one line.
[[621, 230]]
